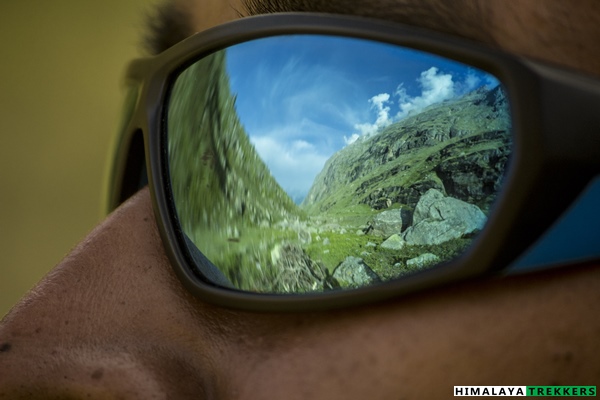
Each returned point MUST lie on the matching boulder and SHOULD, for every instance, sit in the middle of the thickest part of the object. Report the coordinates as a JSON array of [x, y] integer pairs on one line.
[[304, 236], [397, 194], [438, 218], [353, 272], [394, 242], [422, 261], [297, 273], [387, 223], [476, 176]]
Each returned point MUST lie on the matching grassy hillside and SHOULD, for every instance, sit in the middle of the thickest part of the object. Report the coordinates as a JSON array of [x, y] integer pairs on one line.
[[228, 203], [469, 133]]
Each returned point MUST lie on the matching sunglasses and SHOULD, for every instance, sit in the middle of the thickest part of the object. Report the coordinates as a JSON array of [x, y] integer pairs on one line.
[[302, 161]]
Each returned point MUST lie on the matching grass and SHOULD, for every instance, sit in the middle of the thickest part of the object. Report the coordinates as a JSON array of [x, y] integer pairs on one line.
[[387, 264]]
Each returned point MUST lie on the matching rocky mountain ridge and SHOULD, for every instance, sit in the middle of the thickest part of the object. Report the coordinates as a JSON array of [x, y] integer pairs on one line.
[[419, 190], [460, 147]]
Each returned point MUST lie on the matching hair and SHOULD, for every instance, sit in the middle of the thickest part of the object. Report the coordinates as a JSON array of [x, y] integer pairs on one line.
[[560, 32], [466, 18], [168, 23]]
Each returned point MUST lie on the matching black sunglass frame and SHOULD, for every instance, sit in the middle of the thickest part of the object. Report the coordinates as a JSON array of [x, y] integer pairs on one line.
[[556, 151]]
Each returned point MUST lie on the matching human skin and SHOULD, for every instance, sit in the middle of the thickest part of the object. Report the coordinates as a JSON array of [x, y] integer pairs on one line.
[[113, 321]]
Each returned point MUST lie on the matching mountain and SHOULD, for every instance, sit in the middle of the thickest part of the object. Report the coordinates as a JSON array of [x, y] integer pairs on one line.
[[460, 147], [412, 196], [225, 197]]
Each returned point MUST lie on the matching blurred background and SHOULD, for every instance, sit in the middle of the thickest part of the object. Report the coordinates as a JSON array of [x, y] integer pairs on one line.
[[61, 65]]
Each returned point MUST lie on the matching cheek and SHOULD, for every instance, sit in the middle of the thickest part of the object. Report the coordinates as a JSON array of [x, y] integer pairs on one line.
[[534, 328], [113, 310], [95, 279], [357, 355], [115, 276]]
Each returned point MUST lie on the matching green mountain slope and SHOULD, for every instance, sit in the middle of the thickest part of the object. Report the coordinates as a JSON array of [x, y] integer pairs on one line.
[[226, 199], [418, 190], [459, 146]]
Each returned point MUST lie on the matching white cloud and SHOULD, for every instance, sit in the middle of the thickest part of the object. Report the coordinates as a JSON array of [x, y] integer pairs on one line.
[[380, 104], [300, 145], [491, 81], [383, 112], [435, 87], [353, 138], [294, 165], [471, 82]]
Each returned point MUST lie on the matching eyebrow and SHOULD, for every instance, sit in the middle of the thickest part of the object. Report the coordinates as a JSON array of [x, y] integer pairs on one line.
[[166, 25], [464, 18]]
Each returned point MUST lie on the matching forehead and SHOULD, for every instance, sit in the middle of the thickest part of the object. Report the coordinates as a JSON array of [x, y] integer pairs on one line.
[[549, 30], [466, 18], [460, 17]]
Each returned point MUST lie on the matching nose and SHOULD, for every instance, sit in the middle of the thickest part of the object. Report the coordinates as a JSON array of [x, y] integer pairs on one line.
[[110, 321]]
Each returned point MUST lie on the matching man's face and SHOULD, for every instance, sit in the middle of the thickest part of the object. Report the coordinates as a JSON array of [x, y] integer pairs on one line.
[[112, 320]]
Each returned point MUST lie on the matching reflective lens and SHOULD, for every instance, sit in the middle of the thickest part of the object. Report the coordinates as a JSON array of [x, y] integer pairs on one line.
[[307, 163]]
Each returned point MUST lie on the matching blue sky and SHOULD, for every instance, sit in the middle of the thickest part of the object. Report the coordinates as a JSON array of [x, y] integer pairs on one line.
[[301, 98]]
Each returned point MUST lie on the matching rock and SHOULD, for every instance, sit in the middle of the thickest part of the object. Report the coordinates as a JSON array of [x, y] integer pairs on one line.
[[371, 244], [353, 272], [304, 237], [387, 223], [423, 208], [413, 193], [422, 261], [394, 242], [297, 272], [438, 219], [399, 194], [330, 227], [381, 203], [360, 232], [477, 176], [275, 254], [326, 242]]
